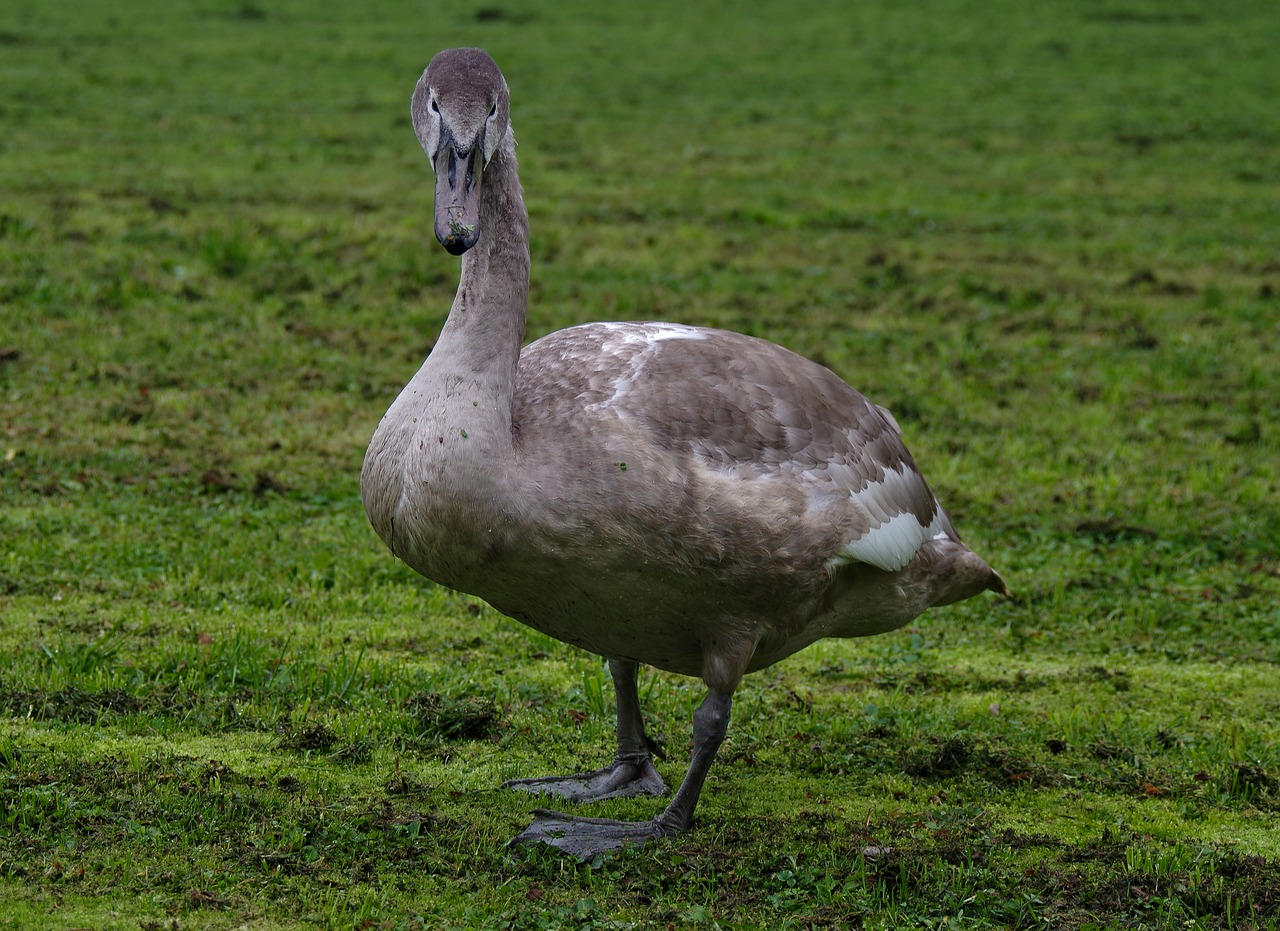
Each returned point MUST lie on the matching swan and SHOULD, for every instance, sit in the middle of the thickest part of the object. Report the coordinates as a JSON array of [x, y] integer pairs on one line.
[[693, 499]]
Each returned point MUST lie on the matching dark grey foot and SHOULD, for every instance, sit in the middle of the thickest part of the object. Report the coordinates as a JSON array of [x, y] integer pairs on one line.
[[587, 838], [620, 779]]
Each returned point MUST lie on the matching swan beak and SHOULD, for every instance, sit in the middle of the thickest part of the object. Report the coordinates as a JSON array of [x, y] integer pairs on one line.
[[458, 196]]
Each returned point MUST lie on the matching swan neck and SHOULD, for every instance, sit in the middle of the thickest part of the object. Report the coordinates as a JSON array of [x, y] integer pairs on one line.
[[486, 324]]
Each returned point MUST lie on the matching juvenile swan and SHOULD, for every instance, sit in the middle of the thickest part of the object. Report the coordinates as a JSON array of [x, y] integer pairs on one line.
[[694, 499]]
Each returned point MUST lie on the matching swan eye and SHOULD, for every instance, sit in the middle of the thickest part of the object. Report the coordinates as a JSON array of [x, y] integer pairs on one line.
[[435, 107], [493, 111]]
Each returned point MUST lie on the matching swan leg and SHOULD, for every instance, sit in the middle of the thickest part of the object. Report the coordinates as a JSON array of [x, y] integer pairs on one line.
[[587, 838], [632, 771]]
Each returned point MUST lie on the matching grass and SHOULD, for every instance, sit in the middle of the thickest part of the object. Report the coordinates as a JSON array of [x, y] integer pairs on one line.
[[1044, 236]]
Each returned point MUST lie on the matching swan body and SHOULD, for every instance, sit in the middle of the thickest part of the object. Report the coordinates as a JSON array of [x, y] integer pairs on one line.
[[688, 498]]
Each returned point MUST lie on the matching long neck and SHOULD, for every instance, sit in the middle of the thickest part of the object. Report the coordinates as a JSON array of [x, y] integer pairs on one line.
[[479, 347], [485, 328]]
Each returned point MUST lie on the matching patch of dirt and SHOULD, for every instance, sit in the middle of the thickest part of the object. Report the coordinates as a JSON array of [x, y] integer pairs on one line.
[[1110, 530], [82, 706], [954, 756], [68, 704], [471, 717], [308, 737], [941, 758]]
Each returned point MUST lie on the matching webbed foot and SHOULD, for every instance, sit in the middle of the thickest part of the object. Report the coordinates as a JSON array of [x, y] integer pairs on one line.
[[622, 778], [587, 838]]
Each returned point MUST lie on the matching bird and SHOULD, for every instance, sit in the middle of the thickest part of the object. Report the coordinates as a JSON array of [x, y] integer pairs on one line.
[[686, 498]]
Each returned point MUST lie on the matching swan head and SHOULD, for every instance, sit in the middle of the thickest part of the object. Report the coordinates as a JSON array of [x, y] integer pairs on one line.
[[460, 112]]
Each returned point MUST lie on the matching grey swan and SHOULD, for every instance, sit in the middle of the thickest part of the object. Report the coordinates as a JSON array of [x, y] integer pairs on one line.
[[694, 499]]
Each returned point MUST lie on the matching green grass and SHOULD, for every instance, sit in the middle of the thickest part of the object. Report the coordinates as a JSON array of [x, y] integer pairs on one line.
[[1046, 236]]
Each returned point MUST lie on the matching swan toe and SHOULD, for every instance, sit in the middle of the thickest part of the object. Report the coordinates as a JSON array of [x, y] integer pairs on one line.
[[621, 779], [587, 838]]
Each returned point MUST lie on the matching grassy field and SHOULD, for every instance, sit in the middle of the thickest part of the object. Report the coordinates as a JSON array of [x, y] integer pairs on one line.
[[1047, 236]]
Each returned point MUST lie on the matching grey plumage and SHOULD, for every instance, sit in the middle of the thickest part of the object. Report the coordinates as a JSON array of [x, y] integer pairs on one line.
[[693, 499]]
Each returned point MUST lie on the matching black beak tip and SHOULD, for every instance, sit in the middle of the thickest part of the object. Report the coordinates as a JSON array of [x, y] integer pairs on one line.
[[456, 242]]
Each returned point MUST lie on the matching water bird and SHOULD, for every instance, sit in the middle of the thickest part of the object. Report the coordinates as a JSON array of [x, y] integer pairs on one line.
[[689, 498]]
